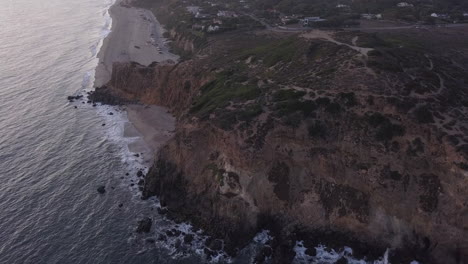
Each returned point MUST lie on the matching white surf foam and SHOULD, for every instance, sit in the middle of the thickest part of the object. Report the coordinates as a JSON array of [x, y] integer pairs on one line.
[[326, 255]]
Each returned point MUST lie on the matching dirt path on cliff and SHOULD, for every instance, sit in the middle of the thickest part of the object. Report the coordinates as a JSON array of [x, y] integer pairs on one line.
[[328, 36]]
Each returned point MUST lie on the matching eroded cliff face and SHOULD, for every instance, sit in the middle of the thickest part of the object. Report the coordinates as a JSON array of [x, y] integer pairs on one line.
[[411, 198], [167, 84], [311, 149]]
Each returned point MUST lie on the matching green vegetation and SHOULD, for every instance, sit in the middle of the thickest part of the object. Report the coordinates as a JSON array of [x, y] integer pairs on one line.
[[307, 107], [385, 129], [220, 92], [284, 50], [284, 95], [216, 172], [228, 118], [320, 50]]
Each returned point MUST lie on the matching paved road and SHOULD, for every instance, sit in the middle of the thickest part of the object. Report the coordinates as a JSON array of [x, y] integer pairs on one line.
[[290, 29]]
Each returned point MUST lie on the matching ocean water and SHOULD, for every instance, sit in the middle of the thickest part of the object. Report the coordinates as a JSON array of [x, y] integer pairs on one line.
[[53, 156]]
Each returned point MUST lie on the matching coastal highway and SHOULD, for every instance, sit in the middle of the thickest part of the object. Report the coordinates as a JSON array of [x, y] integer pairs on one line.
[[303, 29]]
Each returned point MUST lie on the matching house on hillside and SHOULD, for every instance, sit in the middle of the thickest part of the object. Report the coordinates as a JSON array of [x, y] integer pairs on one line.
[[212, 28], [198, 27], [404, 4], [442, 16], [229, 14], [289, 19], [193, 9], [371, 16], [308, 21], [202, 16]]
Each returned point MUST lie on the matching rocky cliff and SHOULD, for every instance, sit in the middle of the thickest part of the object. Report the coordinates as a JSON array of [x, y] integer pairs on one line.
[[340, 135]]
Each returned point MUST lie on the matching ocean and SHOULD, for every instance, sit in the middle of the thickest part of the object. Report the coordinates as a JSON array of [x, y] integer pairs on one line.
[[54, 156]]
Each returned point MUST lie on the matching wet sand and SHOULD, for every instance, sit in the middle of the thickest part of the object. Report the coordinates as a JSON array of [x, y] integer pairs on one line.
[[153, 123]]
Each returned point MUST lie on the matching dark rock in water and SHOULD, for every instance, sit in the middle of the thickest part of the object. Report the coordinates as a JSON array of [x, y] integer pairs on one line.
[[88, 102], [150, 240], [71, 97], [137, 47], [162, 211], [262, 254], [103, 124], [141, 182], [144, 225], [132, 184], [76, 106], [106, 96], [188, 238], [162, 237], [82, 102], [342, 260], [127, 174], [178, 243], [110, 113], [139, 173], [311, 251], [120, 205], [176, 232], [94, 105], [208, 252], [137, 155], [214, 244], [101, 189]]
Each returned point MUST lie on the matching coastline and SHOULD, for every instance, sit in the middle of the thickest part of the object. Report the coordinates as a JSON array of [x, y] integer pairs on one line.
[[136, 36]]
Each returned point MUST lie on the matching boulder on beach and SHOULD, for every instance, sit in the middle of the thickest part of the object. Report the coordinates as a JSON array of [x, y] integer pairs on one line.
[[144, 225], [101, 189]]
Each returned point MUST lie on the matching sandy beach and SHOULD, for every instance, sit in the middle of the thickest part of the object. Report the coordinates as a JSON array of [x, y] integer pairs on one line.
[[136, 36]]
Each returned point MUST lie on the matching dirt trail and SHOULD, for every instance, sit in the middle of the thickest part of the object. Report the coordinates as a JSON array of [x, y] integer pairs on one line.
[[319, 34]]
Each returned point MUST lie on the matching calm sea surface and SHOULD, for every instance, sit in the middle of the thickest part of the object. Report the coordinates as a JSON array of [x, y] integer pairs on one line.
[[53, 156]]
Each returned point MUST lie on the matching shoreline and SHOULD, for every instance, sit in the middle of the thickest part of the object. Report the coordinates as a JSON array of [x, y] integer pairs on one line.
[[136, 36]]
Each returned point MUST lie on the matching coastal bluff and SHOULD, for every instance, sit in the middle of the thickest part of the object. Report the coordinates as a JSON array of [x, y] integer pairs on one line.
[[312, 140]]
